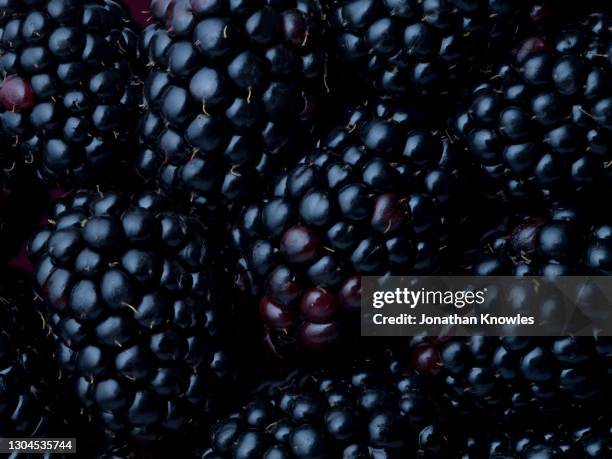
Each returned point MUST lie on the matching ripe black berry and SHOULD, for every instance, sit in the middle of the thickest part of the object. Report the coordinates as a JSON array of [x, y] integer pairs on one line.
[[540, 127], [563, 242], [410, 47], [70, 89], [231, 88], [131, 294], [370, 200], [358, 415]]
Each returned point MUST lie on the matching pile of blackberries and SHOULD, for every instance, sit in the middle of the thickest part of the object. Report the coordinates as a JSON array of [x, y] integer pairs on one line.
[[210, 188]]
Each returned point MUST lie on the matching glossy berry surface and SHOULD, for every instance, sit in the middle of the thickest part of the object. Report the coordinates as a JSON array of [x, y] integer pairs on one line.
[[217, 184], [563, 241], [369, 200], [130, 291], [565, 440], [70, 91], [358, 415], [415, 47], [515, 378], [231, 87], [540, 127]]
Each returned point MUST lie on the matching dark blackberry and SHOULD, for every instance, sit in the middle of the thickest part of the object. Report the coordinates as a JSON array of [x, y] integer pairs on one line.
[[518, 377], [28, 403], [132, 303], [563, 242], [70, 93], [370, 200], [514, 378], [231, 87], [360, 415], [542, 125], [415, 47], [557, 440]]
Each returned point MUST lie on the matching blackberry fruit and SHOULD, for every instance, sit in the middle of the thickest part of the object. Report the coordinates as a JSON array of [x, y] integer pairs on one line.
[[514, 378], [28, 406], [370, 200], [420, 47], [559, 440], [517, 377], [542, 125], [130, 289], [322, 415], [231, 87], [564, 242], [70, 91]]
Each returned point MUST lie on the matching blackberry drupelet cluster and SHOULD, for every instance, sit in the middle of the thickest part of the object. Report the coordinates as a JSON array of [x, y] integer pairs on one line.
[[317, 415], [370, 200], [564, 242], [232, 86], [517, 378], [130, 289], [591, 439], [419, 47], [27, 377], [70, 93], [542, 125]]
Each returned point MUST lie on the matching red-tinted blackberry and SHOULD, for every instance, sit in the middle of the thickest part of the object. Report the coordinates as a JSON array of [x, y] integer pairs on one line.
[[69, 93], [231, 85], [409, 46], [368, 201], [130, 289], [28, 406], [542, 125], [359, 415]]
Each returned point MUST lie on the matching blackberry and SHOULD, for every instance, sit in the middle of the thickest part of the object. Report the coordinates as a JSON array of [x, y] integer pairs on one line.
[[369, 200], [231, 87], [517, 377], [324, 415], [28, 405], [564, 242], [559, 440], [130, 289], [541, 125], [70, 91], [419, 47]]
